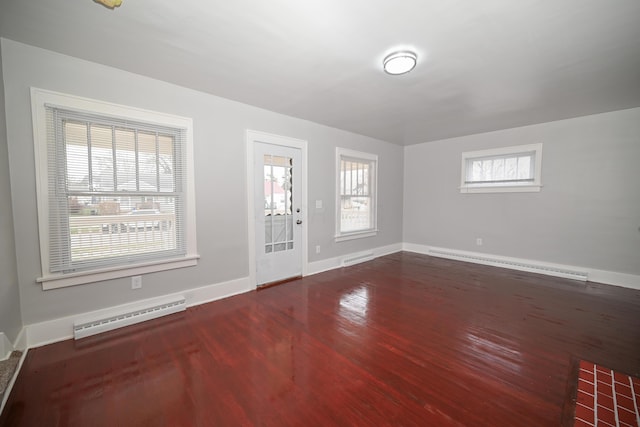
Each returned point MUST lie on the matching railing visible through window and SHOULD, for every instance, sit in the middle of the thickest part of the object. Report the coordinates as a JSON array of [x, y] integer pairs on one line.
[[278, 203], [356, 193], [115, 191]]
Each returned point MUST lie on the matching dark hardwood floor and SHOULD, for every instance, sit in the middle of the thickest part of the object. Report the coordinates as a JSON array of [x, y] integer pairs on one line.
[[402, 340]]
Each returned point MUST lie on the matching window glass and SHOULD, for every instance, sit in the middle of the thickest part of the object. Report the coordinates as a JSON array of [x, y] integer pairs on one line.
[[115, 195], [356, 193], [509, 169]]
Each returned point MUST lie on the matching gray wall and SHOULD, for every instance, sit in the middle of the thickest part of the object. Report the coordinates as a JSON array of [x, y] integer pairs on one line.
[[10, 320], [587, 214], [220, 178]]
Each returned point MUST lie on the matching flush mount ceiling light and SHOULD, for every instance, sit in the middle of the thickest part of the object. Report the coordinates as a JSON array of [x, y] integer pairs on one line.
[[400, 62], [111, 4]]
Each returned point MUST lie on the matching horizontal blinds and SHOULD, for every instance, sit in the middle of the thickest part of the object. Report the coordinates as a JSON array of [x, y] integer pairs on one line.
[[116, 191], [510, 168]]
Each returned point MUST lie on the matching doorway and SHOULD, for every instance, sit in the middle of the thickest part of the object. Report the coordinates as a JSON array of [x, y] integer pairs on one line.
[[277, 207]]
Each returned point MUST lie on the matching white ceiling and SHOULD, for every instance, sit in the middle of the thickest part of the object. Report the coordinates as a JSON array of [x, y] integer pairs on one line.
[[483, 65]]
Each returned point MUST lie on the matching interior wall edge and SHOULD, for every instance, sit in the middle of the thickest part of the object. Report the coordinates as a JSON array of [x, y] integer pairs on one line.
[[60, 329], [336, 262], [613, 278]]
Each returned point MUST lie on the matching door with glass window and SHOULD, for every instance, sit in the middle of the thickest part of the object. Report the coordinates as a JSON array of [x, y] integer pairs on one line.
[[278, 178]]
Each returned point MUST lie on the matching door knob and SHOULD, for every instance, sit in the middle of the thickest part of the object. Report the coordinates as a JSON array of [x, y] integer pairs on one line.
[[299, 222]]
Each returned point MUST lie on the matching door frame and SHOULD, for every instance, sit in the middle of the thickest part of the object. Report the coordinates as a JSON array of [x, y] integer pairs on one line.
[[253, 137]]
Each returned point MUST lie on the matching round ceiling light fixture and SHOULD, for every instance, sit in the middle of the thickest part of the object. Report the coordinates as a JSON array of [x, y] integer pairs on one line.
[[400, 62]]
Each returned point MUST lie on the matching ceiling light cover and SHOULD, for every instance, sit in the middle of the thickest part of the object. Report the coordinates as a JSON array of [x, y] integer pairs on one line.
[[111, 4], [400, 62]]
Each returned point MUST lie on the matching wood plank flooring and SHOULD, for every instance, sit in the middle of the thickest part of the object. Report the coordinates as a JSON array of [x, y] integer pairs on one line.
[[402, 340]]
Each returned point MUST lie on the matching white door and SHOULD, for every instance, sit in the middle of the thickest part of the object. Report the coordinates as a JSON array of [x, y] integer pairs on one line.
[[278, 216]]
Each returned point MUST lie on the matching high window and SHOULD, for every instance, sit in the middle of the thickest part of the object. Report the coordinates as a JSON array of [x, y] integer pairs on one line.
[[356, 191], [114, 190], [509, 169]]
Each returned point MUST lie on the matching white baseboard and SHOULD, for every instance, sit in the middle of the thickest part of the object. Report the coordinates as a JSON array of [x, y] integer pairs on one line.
[[612, 278], [50, 331], [521, 264], [21, 341], [351, 259], [38, 334], [5, 346], [20, 344]]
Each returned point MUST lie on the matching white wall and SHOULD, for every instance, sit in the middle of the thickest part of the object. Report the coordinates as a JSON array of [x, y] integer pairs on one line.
[[10, 320], [587, 214], [220, 175]]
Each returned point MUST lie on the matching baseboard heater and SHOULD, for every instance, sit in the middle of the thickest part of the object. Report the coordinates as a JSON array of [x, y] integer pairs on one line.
[[357, 259], [87, 328], [512, 264]]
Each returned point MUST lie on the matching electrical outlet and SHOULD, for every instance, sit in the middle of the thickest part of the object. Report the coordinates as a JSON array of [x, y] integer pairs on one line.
[[136, 282], [318, 249], [479, 241], [318, 204]]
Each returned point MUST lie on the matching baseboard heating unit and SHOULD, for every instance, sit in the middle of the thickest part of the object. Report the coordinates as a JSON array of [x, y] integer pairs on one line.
[[511, 263], [358, 258], [129, 316]]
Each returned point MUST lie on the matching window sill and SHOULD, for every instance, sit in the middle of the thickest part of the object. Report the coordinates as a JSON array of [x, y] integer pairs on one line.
[[500, 189], [356, 235], [81, 278]]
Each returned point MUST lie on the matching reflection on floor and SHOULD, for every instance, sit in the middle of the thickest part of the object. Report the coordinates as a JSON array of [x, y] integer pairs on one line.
[[401, 340]]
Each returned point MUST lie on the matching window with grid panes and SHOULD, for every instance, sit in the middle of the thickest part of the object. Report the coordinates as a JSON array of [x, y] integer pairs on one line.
[[356, 191], [114, 189], [508, 169]]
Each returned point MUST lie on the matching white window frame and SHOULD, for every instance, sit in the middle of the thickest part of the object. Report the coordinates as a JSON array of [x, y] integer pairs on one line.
[[364, 157], [503, 186], [40, 98]]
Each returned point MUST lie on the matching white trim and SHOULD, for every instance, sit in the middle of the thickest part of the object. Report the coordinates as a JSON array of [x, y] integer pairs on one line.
[[356, 235], [359, 234], [80, 278], [40, 97], [19, 344], [253, 137], [551, 269], [490, 188], [50, 331], [21, 341], [507, 187], [88, 326], [338, 262], [12, 381], [624, 280], [358, 258], [5, 346]]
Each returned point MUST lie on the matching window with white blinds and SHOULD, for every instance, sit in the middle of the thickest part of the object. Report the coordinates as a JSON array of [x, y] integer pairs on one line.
[[509, 169], [115, 190], [356, 191]]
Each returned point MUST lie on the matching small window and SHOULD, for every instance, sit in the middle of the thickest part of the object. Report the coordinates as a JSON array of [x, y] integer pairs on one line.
[[509, 169], [113, 190], [356, 201]]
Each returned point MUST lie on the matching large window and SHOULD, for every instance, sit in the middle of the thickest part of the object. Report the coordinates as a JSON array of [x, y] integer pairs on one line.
[[356, 194], [114, 190], [509, 169]]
